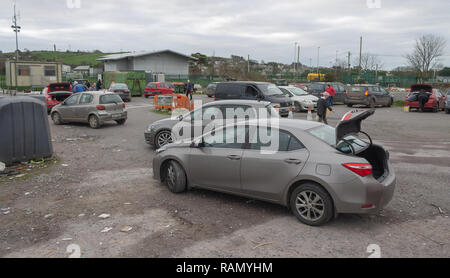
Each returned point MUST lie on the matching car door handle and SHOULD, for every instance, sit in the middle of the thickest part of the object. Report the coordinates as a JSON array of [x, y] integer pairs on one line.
[[234, 157], [292, 161]]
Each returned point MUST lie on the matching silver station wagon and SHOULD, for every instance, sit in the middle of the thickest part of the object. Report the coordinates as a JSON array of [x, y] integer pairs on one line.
[[94, 108]]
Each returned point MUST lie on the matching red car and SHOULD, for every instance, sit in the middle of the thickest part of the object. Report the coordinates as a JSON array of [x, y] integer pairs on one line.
[[435, 102], [157, 88], [55, 93]]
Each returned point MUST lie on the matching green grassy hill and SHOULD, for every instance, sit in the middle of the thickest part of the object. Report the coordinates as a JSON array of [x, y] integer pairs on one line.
[[69, 58]]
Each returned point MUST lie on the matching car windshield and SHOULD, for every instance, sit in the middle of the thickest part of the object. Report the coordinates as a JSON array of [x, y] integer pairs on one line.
[[110, 98], [270, 89], [119, 86], [328, 135], [297, 91]]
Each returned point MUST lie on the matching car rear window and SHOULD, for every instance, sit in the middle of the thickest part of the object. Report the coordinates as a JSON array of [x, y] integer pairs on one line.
[[110, 98], [328, 135], [151, 85], [59, 87], [119, 86]]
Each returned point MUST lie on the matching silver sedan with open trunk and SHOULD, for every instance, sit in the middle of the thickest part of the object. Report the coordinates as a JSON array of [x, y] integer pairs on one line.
[[316, 170]]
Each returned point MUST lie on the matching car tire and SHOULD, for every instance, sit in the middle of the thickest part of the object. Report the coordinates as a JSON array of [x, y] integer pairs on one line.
[[94, 122], [371, 103], [175, 177], [311, 213], [146, 96], [447, 111], [56, 117], [121, 121], [349, 105], [161, 137], [390, 103]]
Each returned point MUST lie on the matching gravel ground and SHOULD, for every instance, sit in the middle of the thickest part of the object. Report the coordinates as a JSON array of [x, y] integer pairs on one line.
[[108, 171]]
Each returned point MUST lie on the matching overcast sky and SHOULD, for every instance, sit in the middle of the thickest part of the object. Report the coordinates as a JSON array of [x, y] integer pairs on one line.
[[265, 30]]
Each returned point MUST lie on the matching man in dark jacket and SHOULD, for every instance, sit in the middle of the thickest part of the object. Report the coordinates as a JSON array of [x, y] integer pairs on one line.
[[322, 106], [189, 89], [99, 85], [423, 98]]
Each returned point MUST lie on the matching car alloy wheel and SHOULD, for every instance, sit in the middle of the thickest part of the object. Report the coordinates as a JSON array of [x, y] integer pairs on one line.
[[310, 205], [163, 138], [175, 177], [56, 118], [93, 122]]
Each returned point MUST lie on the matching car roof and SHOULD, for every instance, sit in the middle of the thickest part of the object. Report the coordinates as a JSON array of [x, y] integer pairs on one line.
[[295, 124], [246, 82], [97, 93], [238, 102]]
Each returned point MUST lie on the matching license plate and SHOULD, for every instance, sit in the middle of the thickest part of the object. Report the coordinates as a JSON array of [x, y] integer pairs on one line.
[[115, 116]]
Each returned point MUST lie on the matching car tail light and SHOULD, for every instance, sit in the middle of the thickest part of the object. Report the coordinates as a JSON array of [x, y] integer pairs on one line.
[[362, 169], [214, 97], [366, 93], [101, 107], [346, 92], [367, 206], [123, 105]]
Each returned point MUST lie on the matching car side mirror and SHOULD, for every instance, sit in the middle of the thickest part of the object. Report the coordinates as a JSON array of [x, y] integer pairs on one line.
[[180, 118], [198, 144]]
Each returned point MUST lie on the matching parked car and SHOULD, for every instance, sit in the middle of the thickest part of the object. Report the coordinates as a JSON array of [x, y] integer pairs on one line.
[[211, 88], [255, 91], [55, 93], [158, 88], [369, 95], [447, 102], [317, 88], [316, 170], [435, 102], [122, 90], [300, 98], [94, 108], [161, 132]]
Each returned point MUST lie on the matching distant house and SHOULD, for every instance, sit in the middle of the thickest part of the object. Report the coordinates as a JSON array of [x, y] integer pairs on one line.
[[66, 68], [32, 74], [82, 69], [166, 61]]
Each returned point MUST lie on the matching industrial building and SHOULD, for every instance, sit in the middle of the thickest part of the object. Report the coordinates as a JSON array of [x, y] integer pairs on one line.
[[166, 61]]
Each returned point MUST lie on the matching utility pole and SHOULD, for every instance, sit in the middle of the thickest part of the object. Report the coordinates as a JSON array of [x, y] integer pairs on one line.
[[349, 65], [248, 65], [318, 57], [336, 64], [298, 58], [16, 29], [360, 53], [295, 58]]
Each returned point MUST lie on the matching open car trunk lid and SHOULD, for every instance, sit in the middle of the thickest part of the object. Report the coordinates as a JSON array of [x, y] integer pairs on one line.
[[60, 95], [376, 155], [351, 123]]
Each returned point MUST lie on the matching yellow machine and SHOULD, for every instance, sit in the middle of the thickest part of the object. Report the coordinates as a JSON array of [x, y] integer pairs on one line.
[[316, 77]]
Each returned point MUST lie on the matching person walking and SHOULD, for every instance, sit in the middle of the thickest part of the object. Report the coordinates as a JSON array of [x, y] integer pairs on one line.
[[322, 106], [189, 89], [330, 90], [99, 85], [78, 88]]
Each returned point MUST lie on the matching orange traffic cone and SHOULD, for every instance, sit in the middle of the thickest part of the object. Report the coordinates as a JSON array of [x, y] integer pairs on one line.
[[309, 116]]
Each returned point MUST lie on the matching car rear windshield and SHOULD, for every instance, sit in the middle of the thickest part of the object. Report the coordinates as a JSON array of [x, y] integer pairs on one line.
[[270, 89], [151, 85], [119, 86], [110, 98], [297, 91], [327, 134]]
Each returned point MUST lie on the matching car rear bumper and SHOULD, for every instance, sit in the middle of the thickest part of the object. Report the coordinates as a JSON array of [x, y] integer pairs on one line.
[[371, 199], [364, 101], [105, 116]]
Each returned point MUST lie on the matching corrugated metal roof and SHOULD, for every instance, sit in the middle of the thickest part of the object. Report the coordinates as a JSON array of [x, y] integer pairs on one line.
[[141, 53], [82, 68]]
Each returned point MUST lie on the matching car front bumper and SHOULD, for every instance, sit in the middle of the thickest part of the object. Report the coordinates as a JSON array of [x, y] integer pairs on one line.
[[149, 136]]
